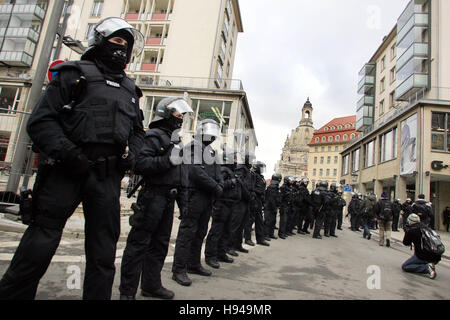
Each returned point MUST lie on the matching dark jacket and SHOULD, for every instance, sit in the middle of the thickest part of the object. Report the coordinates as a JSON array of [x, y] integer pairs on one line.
[[423, 210], [272, 196], [354, 208], [413, 235], [384, 210]]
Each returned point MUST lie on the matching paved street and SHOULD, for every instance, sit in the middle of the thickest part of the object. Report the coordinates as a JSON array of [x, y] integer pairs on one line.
[[296, 268]]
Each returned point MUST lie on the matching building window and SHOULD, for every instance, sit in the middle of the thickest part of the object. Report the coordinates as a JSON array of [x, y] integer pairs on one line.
[[324, 139], [392, 99], [325, 129], [393, 51], [337, 138], [369, 154], [328, 172], [381, 106], [383, 63], [334, 172], [330, 138], [393, 74], [336, 148], [321, 173], [345, 137], [314, 172], [353, 136], [89, 29], [345, 163], [382, 85], [322, 149], [329, 148], [339, 127], [440, 131], [97, 8], [355, 160], [317, 140], [321, 160], [336, 159], [315, 160], [328, 160], [316, 149], [388, 145]]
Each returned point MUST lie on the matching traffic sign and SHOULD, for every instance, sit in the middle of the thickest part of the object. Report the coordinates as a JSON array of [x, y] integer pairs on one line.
[[348, 188], [50, 75]]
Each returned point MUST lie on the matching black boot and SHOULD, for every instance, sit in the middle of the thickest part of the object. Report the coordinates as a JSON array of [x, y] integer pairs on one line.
[[263, 243], [182, 278], [212, 263], [225, 259], [125, 297], [232, 252], [250, 242], [161, 293], [241, 249], [200, 271]]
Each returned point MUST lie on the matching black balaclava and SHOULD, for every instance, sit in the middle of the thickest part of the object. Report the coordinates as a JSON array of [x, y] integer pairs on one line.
[[113, 57], [171, 124]]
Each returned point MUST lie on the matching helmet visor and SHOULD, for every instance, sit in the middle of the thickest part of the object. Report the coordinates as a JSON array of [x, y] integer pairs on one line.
[[110, 25], [210, 129], [180, 106]]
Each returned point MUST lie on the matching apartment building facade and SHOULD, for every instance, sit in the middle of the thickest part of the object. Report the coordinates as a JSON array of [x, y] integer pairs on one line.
[[325, 146], [22, 26], [403, 112], [189, 52]]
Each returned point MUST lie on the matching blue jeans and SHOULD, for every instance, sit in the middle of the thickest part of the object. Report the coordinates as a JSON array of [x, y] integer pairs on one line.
[[416, 265], [365, 225]]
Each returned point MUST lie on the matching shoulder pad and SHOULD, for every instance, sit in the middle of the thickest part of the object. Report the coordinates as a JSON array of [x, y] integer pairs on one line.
[[66, 65]]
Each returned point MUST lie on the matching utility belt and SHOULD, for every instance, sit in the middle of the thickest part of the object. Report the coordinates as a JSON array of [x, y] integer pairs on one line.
[[105, 166], [167, 191]]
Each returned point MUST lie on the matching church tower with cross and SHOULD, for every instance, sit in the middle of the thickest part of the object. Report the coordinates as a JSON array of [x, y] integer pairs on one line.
[[294, 156]]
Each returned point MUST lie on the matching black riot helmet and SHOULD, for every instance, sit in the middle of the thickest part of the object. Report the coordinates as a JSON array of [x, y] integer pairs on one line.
[[259, 167], [164, 114], [207, 131], [323, 184], [110, 27], [334, 186], [287, 180], [276, 177], [298, 181], [305, 181]]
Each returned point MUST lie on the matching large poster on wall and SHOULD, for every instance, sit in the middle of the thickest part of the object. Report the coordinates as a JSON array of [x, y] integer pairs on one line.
[[409, 145]]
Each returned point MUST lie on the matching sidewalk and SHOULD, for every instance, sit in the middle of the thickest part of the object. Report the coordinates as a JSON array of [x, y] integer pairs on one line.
[[398, 237]]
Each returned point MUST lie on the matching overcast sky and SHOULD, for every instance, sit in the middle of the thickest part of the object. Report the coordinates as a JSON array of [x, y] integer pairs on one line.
[[294, 49]]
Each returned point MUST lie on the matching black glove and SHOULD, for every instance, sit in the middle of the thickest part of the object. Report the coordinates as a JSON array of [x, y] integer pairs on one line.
[[127, 163], [77, 161]]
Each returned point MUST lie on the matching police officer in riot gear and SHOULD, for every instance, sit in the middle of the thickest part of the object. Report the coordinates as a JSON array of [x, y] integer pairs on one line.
[[305, 212], [285, 206], [331, 212], [272, 203], [319, 199], [295, 207], [159, 164], [205, 184], [397, 207], [253, 203], [81, 128], [259, 188], [341, 204], [240, 215], [219, 233]]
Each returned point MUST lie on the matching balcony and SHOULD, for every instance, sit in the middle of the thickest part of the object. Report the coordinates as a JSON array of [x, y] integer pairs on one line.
[[417, 20], [16, 58], [159, 16], [29, 9], [148, 67], [414, 83], [11, 32], [189, 82], [5, 9], [365, 84], [132, 16], [154, 41], [415, 50], [365, 101]]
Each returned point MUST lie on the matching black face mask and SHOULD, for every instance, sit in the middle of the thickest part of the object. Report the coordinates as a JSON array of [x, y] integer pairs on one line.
[[113, 56]]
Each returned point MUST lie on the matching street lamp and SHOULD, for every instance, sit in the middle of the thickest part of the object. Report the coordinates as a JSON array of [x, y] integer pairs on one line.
[[73, 44]]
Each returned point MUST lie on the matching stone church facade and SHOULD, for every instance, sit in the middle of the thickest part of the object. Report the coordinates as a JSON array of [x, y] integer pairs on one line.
[[294, 157]]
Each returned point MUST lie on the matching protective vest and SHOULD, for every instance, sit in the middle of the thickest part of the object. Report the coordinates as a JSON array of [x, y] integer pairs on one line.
[[234, 193], [196, 153], [104, 112], [171, 177]]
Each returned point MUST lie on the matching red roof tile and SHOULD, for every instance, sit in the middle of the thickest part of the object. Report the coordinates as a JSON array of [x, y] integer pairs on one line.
[[335, 123]]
